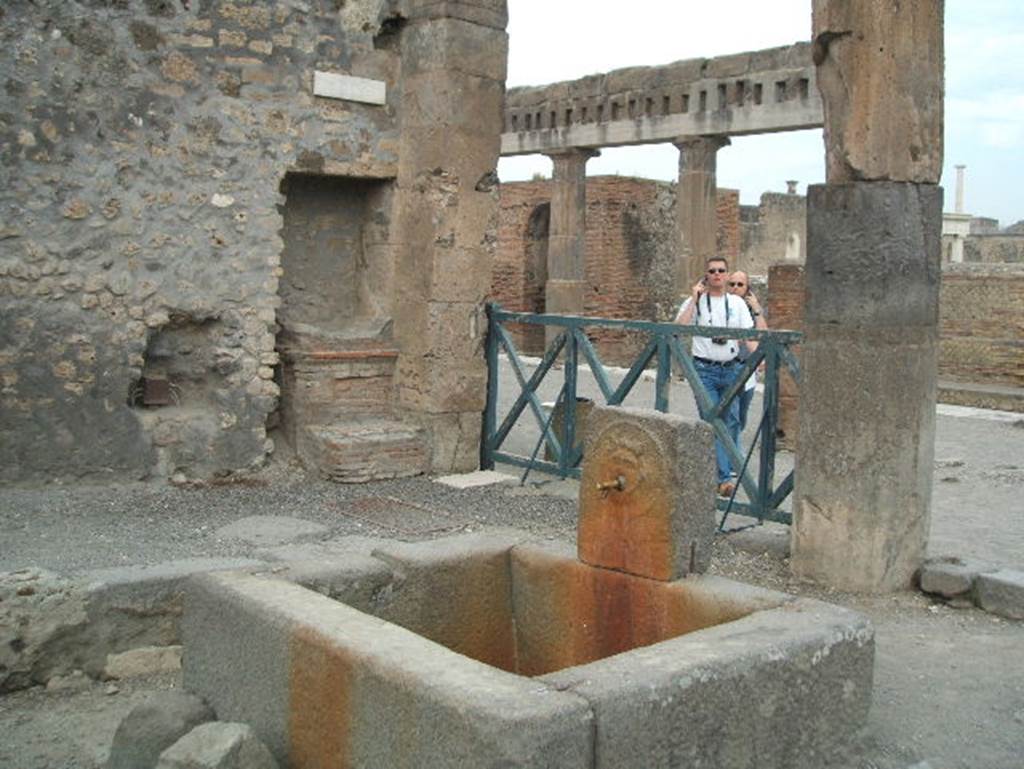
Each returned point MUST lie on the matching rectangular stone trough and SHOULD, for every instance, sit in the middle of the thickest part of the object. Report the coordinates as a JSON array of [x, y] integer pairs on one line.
[[481, 652]]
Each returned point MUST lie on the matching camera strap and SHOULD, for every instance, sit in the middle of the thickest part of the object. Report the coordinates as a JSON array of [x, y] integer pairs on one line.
[[711, 319]]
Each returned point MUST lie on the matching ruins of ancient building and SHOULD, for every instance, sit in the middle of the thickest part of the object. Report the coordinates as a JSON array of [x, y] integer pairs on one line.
[[226, 219]]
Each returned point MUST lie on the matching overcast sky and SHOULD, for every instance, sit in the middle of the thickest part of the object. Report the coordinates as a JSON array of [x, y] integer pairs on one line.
[[552, 40]]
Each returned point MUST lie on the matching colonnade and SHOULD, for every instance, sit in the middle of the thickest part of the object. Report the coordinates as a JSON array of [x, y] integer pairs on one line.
[[696, 217]]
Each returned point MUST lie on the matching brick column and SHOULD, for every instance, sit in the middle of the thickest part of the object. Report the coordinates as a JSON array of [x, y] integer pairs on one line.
[[696, 205], [563, 292], [867, 401]]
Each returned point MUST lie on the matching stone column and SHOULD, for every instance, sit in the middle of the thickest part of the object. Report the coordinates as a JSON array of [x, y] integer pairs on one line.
[[959, 189], [445, 218], [563, 292], [867, 400], [696, 206]]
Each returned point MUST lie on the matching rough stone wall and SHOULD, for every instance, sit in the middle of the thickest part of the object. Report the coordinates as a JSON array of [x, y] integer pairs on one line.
[[142, 148], [774, 231]]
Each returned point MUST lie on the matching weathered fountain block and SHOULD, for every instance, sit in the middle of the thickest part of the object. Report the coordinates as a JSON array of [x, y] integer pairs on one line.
[[481, 651], [647, 493]]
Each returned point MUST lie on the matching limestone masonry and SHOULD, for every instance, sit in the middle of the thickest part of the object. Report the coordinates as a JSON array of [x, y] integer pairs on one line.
[[185, 227]]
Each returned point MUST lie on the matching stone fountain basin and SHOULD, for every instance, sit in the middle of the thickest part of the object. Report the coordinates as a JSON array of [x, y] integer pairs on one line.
[[484, 651]]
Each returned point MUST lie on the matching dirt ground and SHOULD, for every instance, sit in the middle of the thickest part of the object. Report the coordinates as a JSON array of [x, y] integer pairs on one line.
[[949, 682]]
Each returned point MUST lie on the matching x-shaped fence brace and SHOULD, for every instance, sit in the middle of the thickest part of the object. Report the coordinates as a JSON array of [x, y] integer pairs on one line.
[[665, 346]]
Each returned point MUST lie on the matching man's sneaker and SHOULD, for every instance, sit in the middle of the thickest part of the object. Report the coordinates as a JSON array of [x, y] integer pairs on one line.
[[726, 489]]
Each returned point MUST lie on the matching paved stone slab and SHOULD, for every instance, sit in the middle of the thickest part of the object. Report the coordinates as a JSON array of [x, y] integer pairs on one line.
[[474, 479], [270, 529], [1002, 593]]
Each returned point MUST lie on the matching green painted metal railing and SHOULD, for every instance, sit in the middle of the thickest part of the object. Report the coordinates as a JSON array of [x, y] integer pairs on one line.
[[664, 346]]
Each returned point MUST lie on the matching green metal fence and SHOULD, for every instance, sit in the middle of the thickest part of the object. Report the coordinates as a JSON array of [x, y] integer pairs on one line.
[[667, 346]]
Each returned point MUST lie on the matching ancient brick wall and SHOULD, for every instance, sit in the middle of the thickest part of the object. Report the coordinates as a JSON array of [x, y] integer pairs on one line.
[[981, 324], [729, 236], [630, 252], [143, 147], [785, 311], [520, 258]]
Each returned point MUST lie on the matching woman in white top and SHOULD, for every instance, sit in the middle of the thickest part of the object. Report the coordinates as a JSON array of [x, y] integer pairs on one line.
[[739, 285]]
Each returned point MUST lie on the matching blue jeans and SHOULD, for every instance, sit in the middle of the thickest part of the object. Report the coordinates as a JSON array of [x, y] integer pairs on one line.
[[716, 380]]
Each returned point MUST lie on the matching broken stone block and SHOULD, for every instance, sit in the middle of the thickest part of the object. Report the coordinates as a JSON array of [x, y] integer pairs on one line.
[[947, 577], [218, 745], [155, 725], [1002, 593], [143, 661], [880, 73]]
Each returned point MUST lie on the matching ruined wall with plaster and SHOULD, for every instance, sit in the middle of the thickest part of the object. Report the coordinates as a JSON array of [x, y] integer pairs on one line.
[[999, 248], [143, 148], [773, 232]]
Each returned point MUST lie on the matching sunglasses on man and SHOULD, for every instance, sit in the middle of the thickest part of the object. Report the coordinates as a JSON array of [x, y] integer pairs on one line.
[[716, 270]]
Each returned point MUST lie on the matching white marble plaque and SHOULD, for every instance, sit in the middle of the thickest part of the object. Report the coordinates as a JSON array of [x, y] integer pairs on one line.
[[332, 86]]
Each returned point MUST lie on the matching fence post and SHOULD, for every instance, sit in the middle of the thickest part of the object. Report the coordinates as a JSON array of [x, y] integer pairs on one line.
[[664, 375], [565, 461], [770, 408], [490, 422]]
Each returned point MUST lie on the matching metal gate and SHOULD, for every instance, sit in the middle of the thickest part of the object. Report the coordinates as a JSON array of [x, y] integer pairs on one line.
[[666, 348]]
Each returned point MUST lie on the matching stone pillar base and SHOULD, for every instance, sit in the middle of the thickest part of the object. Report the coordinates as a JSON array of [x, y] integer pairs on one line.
[[867, 400]]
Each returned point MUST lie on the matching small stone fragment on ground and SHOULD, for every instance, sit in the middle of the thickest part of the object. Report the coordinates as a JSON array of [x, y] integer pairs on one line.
[[218, 745], [143, 661], [73, 681], [948, 577]]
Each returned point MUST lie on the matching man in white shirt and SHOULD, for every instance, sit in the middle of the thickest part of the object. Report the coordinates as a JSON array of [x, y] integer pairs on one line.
[[710, 304]]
